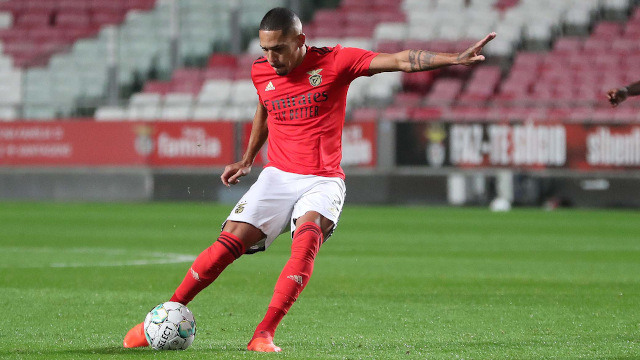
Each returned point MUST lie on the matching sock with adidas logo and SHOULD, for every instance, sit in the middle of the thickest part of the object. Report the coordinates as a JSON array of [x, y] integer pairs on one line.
[[208, 266], [294, 276]]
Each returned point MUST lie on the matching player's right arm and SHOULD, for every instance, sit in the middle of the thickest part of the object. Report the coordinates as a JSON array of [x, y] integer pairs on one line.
[[616, 96], [259, 134]]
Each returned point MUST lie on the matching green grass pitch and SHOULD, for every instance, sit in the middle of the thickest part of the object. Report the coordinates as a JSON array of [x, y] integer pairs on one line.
[[392, 283]]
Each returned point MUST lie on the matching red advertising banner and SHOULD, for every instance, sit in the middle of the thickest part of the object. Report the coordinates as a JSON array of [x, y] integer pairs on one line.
[[603, 147], [192, 144], [91, 143], [520, 145], [69, 143], [359, 144], [261, 157]]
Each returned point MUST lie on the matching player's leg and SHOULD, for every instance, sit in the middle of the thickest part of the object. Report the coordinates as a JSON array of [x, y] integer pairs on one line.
[[311, 229], [258, 218], [232, 243], [293, 279]]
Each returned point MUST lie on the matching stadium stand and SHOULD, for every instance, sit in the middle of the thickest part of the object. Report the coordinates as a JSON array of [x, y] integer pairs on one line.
[[56, 54]]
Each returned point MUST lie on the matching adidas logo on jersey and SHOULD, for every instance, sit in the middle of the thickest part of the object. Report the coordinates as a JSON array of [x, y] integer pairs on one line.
[[269, 87]]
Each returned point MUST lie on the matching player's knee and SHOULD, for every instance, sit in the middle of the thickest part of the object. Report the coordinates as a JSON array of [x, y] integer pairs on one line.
[[248, 234]]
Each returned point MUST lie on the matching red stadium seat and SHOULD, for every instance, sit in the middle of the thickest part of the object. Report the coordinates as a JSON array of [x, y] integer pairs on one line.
[[358, 31], [14, 7], [242, 73], [140, 4], [427, 113], [567, 45], [187, 75], [73, 18], [222, 60], [407, 99], [326, 17], [73, 5], [354, 5], [107, 16], [418, 82], [606, 30], [41, 5], [391, 16], [36, 18], [186, 87], [114, 5], [389, 46], [158, 87]]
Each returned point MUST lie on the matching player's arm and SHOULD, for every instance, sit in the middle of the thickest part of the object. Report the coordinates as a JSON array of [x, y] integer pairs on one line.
[[616, 96], [423, 60], [259, 134]]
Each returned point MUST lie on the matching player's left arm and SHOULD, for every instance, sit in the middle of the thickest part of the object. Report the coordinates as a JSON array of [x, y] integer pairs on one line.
[[423, 60]]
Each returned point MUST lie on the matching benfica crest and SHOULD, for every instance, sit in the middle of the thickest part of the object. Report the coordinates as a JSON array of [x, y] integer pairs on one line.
[[315, 79]]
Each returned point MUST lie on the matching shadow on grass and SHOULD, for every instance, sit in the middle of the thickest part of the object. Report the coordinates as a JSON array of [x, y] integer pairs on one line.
[[113, 351]]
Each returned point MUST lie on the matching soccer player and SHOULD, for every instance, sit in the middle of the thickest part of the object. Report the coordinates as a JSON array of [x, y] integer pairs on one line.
[[616, 96], [302, 97]]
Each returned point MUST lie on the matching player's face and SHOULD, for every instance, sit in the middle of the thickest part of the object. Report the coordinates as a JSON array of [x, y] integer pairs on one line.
[[283, 51]]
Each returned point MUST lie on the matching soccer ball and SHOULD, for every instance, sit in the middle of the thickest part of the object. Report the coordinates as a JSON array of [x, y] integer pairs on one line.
[[170, 326]]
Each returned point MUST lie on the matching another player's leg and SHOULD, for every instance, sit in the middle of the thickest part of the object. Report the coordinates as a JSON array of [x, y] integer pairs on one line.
[[293, 279], [205, 269]]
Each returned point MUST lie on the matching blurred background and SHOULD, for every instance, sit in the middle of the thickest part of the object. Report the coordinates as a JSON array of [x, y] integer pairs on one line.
[[142, 100]]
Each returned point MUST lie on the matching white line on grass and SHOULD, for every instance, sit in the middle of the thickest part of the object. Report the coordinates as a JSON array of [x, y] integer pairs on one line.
[[116, 257], [168, 259]]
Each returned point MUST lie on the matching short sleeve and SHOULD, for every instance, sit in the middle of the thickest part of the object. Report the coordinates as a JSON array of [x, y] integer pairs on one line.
[[353, 62]]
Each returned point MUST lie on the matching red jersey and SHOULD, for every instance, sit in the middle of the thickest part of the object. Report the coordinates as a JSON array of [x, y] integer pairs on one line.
[[306, 108]]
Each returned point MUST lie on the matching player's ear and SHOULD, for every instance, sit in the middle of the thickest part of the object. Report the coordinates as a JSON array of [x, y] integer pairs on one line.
[[301, 40]]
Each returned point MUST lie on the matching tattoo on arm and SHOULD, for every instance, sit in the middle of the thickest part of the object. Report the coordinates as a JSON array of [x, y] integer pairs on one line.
[[421, 60]]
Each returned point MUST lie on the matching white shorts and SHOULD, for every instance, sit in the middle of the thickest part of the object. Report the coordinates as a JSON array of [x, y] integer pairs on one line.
[[278, 198]]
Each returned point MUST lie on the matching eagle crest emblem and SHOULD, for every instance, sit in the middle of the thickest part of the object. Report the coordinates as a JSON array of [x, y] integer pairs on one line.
[[315, 79]]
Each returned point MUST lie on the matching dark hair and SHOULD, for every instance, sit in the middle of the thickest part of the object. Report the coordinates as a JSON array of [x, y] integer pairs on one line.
[[280, 19]]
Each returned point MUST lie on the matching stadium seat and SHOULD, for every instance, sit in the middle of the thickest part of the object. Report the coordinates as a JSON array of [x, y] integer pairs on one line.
[[205, 112], [176, 112], [111, 113], [6, 20], [8, 113]]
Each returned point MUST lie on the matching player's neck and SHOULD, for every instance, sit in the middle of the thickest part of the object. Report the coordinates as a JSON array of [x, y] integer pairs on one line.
[[303, 53]]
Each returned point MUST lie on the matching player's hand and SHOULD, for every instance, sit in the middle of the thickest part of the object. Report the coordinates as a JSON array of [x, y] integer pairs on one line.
[[233, 172], [616, 96], [472, 54]]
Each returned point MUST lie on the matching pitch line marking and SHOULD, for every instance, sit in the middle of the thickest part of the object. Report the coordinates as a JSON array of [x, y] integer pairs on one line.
[[152, 258]]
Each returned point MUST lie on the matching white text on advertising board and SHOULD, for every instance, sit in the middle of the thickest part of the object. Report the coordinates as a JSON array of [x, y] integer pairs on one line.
[[605, 148], [193, 142], [504, 145]]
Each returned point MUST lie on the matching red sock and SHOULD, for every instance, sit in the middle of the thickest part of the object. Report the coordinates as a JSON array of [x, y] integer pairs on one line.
[[207, 266], [294, 276]]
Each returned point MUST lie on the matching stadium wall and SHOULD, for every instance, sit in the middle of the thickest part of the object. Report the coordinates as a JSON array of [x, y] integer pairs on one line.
[[530, 164]]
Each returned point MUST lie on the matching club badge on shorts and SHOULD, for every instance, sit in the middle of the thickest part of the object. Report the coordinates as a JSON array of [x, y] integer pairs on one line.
[[240, 207], [315, 79]]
